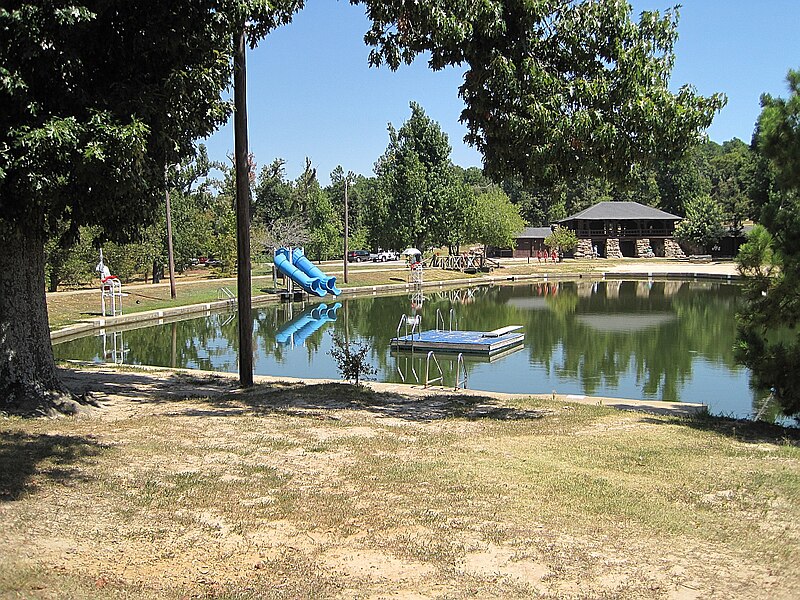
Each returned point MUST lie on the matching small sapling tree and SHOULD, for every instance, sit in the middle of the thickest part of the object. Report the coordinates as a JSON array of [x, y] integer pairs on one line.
[[351, 359], [562, 240]]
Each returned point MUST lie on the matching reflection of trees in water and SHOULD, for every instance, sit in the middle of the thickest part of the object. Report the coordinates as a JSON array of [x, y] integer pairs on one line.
[[638, 334], [204, 343]]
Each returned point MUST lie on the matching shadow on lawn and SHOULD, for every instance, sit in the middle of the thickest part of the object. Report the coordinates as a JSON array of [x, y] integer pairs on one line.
[[26, 460], [742, 430], [222, 397], [310, 400]]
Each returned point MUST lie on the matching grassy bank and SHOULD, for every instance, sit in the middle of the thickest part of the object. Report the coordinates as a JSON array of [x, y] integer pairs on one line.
[[67, 308], [182, 487]]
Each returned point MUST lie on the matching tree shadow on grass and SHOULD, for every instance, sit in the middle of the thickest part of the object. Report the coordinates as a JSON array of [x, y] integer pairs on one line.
[[314, 400], [222, 397], [28, 460], [750, 432]]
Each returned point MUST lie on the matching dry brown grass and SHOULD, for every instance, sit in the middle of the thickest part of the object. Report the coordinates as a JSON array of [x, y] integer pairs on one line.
[[181, 486]]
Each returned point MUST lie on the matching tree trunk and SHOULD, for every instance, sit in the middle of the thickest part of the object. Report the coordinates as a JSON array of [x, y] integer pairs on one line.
[[29, 382]]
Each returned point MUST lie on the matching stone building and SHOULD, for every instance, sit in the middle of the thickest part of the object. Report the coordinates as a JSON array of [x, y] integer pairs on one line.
[[624, 229]]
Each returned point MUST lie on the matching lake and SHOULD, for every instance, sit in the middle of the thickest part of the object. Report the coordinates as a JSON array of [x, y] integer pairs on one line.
[[656, 340]]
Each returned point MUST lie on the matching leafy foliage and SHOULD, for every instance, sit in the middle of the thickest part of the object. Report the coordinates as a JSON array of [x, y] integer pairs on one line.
[[702, 227], [553, 87], [562, 239], [351, 359], [495, 221], [417, 190], [768, 337]]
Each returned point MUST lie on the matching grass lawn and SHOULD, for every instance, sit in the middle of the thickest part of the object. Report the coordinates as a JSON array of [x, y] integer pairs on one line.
[[181, 486], [66, 308]]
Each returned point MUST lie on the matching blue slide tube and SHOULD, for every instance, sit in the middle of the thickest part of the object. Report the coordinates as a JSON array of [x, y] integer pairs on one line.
[[313, 285], [312, 270]]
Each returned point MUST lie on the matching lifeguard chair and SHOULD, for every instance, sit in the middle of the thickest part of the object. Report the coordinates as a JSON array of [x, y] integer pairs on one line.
[[110, 290]]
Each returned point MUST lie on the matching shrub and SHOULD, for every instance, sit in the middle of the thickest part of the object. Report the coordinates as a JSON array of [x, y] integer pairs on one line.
[[351, 359]]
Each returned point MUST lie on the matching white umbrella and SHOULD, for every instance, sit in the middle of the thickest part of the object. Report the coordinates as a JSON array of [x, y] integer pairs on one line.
[[410, 251]]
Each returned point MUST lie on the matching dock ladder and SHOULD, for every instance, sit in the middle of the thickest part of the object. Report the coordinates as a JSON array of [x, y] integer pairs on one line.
[[460, 368], [414, 322], [428, 380], [225, 293], [452, 320]]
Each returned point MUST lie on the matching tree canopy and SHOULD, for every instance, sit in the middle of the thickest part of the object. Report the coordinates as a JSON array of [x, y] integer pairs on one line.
[[553, 87], [768, 335]]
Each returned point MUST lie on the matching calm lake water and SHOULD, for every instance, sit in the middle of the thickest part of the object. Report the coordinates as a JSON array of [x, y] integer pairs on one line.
[[661, 340]]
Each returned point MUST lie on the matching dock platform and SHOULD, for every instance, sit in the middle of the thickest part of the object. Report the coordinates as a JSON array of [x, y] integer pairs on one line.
[[478, 342]]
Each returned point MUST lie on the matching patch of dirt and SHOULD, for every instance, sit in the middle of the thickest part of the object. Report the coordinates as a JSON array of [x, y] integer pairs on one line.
[[235, 540]]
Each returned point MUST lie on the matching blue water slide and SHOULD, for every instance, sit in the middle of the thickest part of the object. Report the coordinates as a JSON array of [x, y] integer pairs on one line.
[[312, 270], [307, 323], [313, 285]]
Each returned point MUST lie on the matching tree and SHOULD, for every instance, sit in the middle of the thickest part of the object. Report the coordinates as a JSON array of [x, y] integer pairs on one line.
[[768, 338], [97, 99], [417, 184], [496, 221], [325, 226], [702, 227], [351, 359], [732, 177], [682, 180], [272, 194], [553, 87], [562, 239]]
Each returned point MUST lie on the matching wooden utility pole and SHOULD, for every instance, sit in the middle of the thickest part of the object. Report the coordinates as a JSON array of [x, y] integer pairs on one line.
[[242, 166], [346, 225], [170, 253]]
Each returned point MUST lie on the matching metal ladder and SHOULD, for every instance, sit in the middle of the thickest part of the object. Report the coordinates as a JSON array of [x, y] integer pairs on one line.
[[460, 367], [428, 379], [452, 320], [415, 322], [225, 293]]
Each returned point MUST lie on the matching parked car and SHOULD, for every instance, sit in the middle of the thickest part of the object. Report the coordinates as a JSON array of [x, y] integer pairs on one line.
[[384, 255], [357, 256]]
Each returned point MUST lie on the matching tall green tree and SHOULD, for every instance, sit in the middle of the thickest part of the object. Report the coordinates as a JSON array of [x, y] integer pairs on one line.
[[324, 225], [682, 180], [732, 174], [418, 184], [768, 336], [702, 226], [273, 194], [496, 220]]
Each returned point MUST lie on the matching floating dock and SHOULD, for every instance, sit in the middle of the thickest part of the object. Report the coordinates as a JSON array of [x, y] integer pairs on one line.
[[476, 342]]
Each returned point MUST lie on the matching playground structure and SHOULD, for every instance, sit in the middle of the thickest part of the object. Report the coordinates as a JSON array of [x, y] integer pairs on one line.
[[298, 329], [298, 270], [472, 262]]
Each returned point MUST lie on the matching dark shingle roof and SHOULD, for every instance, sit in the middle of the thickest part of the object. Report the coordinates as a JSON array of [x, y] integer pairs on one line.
[[535, 232], [603, 211]]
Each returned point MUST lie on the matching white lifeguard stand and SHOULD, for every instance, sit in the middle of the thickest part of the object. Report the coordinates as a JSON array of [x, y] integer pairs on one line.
[[110, 289], [415, 264]]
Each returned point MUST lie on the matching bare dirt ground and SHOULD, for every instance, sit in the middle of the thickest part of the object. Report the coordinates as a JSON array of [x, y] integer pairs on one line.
[[177, 485]]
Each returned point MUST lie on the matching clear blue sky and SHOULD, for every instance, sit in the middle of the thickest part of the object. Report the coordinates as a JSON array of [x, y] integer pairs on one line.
[[312, 94]]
